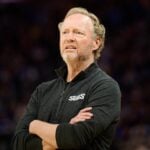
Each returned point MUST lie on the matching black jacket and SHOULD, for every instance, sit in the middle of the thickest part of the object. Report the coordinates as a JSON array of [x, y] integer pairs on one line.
[[57, 102]]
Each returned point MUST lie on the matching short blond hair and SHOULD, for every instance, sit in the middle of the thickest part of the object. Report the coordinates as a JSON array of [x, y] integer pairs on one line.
[[99, 29]]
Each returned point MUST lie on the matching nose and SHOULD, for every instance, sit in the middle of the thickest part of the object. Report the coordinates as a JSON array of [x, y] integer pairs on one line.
[[70, 37]]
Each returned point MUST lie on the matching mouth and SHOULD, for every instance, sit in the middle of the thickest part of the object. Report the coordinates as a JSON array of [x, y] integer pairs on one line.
[[70, 47]]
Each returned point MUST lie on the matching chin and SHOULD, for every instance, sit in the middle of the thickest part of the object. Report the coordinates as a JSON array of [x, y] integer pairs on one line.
[[69, 57]]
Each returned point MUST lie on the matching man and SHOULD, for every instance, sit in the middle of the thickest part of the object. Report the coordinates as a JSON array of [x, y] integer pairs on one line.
[[79, 109]]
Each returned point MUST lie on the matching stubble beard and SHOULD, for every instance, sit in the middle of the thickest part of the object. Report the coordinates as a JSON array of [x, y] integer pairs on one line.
[[75, 59]]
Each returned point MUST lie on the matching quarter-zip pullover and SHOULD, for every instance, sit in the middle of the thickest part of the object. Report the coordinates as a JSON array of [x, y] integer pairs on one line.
[[57, 101]]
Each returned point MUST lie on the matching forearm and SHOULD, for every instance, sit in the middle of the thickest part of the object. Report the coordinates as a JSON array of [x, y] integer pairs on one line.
[[47, 146], [45, 131]]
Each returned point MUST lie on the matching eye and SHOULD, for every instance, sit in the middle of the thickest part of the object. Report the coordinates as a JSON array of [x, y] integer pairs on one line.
[[80, 33], [64, 32]]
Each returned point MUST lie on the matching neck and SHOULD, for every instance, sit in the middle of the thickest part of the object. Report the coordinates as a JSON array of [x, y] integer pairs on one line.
[[75, 68]]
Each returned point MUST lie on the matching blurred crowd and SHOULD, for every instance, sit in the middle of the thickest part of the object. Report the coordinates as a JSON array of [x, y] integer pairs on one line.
[[29, 54]]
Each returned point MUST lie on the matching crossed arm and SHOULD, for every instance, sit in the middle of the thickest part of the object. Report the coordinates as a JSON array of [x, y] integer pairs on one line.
[[47, 131]]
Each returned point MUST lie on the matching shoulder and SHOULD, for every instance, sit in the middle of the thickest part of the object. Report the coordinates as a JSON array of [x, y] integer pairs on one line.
[[101, 81], [44, 86], [101, 77]]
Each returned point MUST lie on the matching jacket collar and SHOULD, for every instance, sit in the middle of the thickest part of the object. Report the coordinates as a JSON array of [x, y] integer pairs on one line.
[[62, 72]]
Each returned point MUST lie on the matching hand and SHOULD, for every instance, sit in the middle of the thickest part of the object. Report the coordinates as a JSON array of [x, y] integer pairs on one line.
[[32, 126], [46, 131], [83, 115], [47, 146]]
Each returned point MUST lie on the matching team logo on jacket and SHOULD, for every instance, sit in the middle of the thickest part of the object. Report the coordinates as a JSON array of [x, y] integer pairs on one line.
[[77, 97]]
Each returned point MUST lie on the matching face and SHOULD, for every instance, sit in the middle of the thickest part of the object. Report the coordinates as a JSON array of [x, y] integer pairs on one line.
[[77, 38]]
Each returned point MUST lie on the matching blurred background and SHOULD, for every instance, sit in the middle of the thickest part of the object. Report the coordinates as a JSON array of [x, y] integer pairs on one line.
[[29, 53]]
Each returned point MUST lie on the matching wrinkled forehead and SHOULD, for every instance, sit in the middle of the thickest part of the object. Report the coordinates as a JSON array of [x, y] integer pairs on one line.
[[77, 20]]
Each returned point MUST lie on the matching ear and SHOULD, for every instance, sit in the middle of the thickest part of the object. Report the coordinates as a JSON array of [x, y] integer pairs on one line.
[[96, 44]]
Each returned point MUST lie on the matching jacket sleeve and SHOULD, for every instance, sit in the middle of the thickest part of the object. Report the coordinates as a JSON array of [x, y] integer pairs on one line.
[[22, 140], [105, 100]]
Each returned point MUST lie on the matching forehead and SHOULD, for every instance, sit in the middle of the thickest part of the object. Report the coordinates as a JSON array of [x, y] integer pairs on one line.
[[77, 21]]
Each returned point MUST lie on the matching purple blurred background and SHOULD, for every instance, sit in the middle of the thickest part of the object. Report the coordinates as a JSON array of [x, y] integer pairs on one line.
[[29, 53]]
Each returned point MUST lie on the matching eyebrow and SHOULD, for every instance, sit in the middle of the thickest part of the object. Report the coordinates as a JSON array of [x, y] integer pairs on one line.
[[75, 29]]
